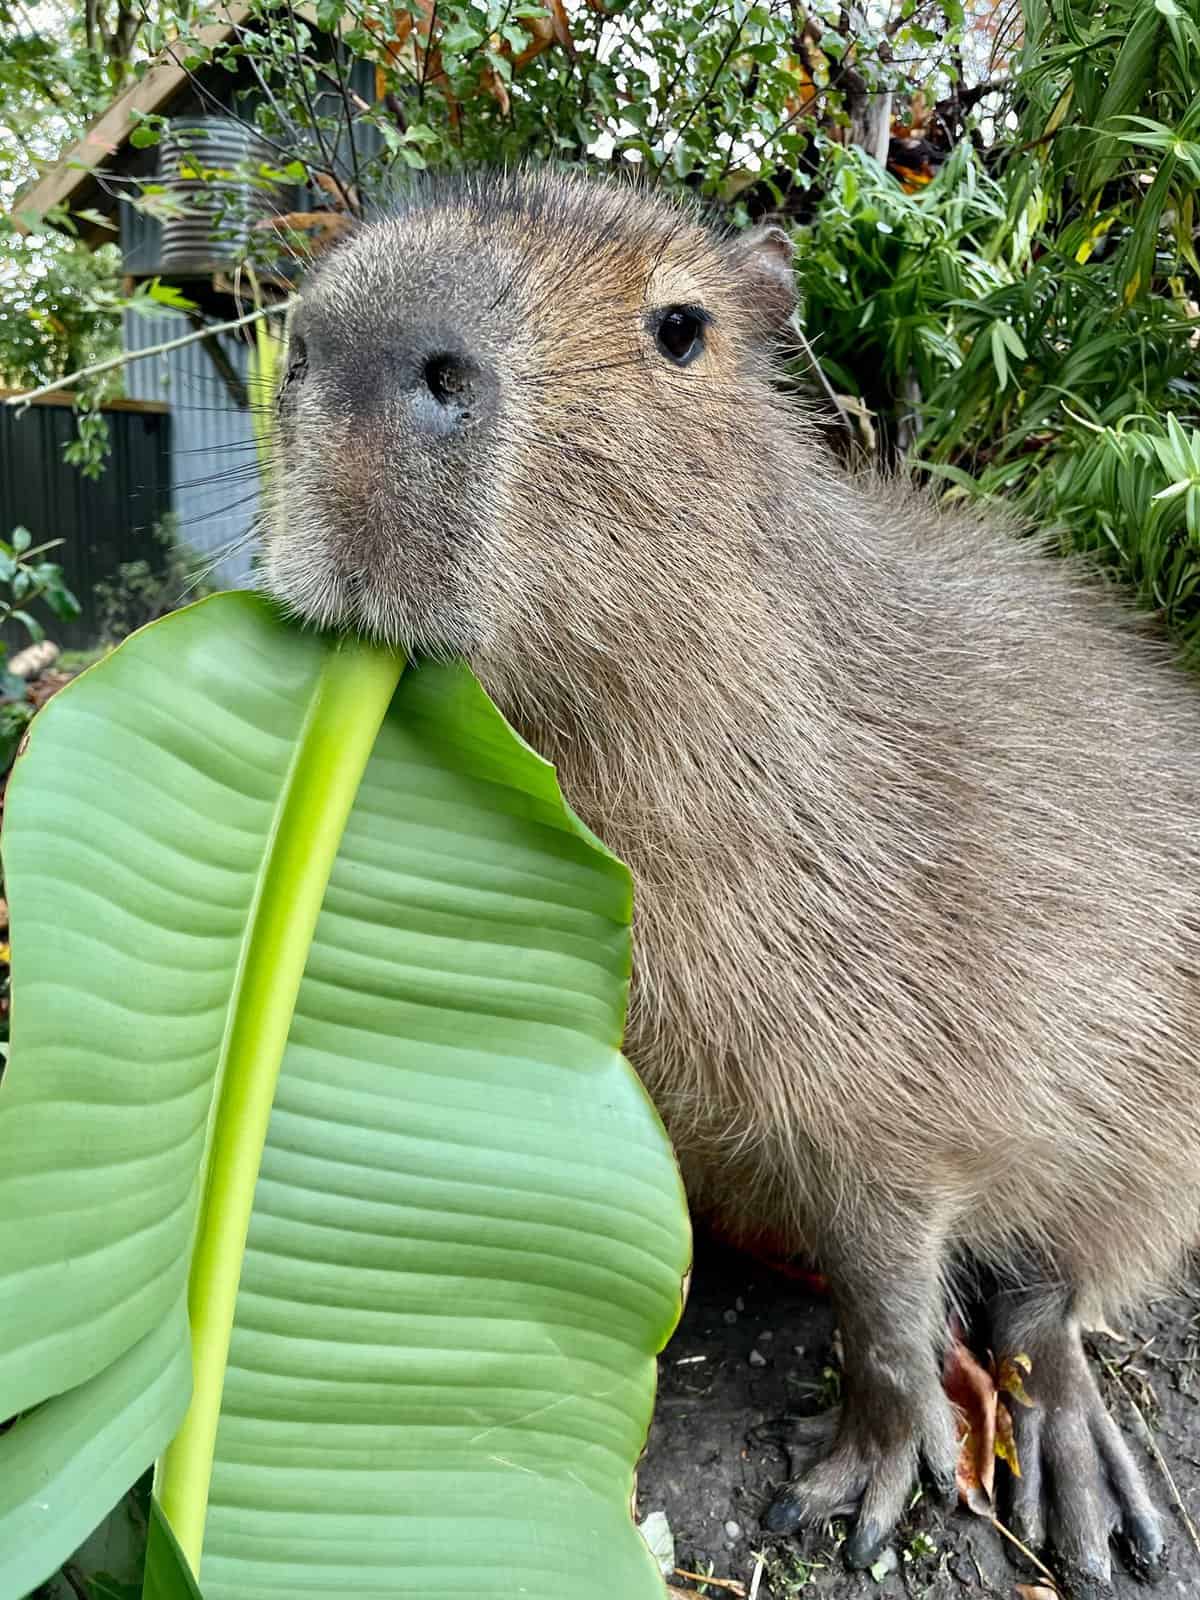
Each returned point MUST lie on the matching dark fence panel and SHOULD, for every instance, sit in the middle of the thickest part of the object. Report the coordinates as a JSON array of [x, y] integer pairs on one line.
[[102, 521]]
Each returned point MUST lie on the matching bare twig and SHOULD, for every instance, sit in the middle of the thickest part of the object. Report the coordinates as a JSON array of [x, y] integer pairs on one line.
[[900, 20], [314, 122], [673, 80], [702, 101], [345, 92], [248, 54], [1026, 1552], [21, 401], [730, 1584], [428, 51], [830, 392], [1134, 1355]]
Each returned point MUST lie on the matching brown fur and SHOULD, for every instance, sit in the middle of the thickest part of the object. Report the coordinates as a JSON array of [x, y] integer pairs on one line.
[[913, 812]]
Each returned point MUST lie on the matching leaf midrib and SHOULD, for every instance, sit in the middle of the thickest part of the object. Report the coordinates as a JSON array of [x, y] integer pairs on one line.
[[347, 704]]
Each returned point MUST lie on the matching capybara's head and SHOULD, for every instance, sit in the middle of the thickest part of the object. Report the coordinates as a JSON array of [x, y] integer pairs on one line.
[[520, 410]]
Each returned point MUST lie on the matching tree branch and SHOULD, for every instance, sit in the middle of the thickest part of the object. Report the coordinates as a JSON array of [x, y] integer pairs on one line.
[[966, 99], [226, 371], [124, 37], [894, 24], [23, 400], [699, 105]]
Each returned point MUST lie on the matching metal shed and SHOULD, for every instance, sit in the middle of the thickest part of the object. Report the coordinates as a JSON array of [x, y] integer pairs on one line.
[[103, 523], [212, 482]]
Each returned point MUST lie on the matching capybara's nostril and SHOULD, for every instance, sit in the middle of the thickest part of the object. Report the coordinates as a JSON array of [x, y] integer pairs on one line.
[[449, 394], [448, 379]]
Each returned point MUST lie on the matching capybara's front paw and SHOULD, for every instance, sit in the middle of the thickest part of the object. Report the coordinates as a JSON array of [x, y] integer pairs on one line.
[[867, 1471]]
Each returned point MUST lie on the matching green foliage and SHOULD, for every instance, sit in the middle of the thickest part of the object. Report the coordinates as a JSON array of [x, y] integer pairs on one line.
[[142, 591], [58, 305], [1033, 333], [168, 1576], [61, 301], [319, 996], [1096, 416], [60, 310], [703, 95], [884, 276], [15, 715], [1130, 492], [25, 579]]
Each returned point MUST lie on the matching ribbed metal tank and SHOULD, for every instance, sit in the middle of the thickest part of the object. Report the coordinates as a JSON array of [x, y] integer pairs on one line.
[[202, 161]]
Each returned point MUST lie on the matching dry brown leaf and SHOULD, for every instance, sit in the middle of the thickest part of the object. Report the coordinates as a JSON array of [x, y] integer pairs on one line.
[[562, 28], [1036, 1591], [972, 1393], [1009, 1379], [798, 103], [541, 37], [1006, 1444], [910, 179], [322, 228], [344, 196], [42, 688], [985, 1423], [493, 84]]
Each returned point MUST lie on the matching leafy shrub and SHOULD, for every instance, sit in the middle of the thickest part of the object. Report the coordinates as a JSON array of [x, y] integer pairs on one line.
[[142, 591], [25, 578], [1026, 325]]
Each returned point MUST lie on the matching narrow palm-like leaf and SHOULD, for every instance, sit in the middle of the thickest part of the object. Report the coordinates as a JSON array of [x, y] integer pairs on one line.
[[467, 1233], [168, 1576], [1124, 92]]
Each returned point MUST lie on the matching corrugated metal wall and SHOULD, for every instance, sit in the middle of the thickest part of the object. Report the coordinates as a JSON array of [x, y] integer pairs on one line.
[[103, 522], [213, 474], [213, 465]]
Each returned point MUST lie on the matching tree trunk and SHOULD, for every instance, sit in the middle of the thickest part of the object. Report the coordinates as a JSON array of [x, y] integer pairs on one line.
[[870, 116]]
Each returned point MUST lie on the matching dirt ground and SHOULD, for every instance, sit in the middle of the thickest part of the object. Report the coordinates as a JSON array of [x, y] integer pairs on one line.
[[754, 1346]]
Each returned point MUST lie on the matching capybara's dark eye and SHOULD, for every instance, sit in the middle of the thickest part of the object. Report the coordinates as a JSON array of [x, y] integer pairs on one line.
[[298, 357], [679, 333], [297, 365]]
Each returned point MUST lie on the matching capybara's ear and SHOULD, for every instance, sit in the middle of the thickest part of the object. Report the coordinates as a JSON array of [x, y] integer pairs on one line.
[[764, 260]]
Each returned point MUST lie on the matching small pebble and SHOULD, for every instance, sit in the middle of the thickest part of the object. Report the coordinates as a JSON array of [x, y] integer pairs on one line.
[[740, 1303], [733, 1530], [731, 1317], [798, 1351], [888, 1562], [757, 1359], [765, 1336]]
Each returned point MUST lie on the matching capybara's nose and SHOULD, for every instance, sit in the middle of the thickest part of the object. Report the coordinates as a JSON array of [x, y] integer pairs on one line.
[[423, 380]]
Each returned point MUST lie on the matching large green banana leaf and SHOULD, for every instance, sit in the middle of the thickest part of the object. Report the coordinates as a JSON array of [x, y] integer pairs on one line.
[[265, 909]]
